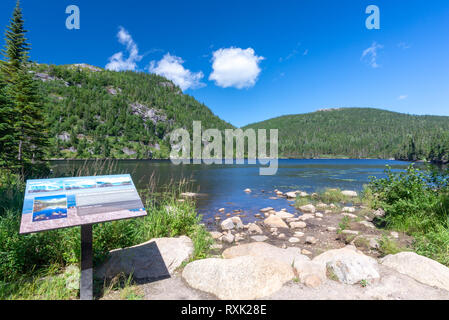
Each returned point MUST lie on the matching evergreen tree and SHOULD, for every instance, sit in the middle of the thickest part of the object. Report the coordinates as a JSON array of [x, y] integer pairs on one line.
[[16, 51], [26, 114], [7, 133]]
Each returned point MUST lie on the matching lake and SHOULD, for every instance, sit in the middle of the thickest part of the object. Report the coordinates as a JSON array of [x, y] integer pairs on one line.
[[222, 185]]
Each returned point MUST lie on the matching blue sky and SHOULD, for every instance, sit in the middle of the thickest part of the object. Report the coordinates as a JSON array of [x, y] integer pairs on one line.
[[253, 60]]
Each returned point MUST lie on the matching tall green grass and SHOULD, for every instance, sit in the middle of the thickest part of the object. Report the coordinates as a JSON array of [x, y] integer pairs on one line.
[[416, 202]]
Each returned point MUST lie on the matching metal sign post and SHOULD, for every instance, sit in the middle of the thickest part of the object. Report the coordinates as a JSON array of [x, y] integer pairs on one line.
[[81, 201], [86, 283]]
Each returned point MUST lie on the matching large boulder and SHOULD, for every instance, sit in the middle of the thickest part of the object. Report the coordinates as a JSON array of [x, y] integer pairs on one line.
[[420, 268], [265, 250], [349, 265], [155, 259], [241, 278], [274, 221]]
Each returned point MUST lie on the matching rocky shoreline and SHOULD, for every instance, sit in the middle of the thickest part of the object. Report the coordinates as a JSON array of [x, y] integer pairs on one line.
[[283, 255]]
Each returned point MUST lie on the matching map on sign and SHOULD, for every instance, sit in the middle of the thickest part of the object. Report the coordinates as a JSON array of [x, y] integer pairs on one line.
[[67, 202]]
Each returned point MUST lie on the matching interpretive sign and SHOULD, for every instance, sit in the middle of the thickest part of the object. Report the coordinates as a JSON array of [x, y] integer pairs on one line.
[[83, 201], [67, 202]]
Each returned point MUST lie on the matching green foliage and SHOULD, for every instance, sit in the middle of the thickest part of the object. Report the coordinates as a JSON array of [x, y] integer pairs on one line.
[[416, 202], [21, 121], [361, 133], [94, 113]]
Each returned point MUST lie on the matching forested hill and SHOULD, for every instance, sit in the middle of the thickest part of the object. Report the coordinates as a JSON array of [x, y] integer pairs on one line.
[[94, 113], [361, 133]]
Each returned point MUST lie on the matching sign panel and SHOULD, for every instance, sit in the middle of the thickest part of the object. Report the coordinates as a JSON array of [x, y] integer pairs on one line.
[[67, 202]]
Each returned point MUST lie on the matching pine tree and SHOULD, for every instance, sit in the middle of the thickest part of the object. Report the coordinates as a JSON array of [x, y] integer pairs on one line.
[[26, 103], [7, 133], [16, 51]]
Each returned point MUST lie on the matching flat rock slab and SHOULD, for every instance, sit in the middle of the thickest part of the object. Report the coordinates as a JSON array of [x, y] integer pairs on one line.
[[420, 268], [391, 286], [240, 278], [265, 250], [155, 259]]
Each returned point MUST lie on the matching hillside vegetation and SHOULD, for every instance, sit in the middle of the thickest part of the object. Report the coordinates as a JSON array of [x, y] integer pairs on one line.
[[94, 113], [361, 133]]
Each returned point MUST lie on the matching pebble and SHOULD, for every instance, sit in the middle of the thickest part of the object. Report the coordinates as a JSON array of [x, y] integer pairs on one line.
[[306, 252], [311, 240], [293, 240], [394, 234], [331, 229], [299, 224], [259, 238], [299, 234], [318, 215]]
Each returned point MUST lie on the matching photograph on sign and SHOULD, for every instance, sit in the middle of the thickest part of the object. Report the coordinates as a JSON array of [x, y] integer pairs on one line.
[[66, 202]]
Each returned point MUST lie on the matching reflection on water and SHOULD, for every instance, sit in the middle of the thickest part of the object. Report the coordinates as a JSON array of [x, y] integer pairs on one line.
[[224, 184]]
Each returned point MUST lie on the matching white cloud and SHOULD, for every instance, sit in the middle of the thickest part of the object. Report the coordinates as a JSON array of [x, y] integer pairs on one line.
[[235, 67], [369, 55], [171, 68], [117, 62], [403, 97]]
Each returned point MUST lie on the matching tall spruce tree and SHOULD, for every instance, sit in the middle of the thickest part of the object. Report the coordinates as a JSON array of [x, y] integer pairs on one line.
[[7, 133], [29, 134]]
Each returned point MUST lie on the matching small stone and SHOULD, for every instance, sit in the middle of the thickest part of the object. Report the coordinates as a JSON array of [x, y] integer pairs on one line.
[[293, 240], [394, 234], [254, 228], [266, 209], [281, 236], [221, 210], [321, 205], [248, 190], [275, 222], [259, 238], [308, 208], [215, 235], [227, 224], [311, 240], [327, 211], [228, 238], [350, 215], [284, 215], [216, 246], [306, 216], [331, 229], [298, 225], [237, 222], [349, 209], [273, 229], [318, 215], [306, 252], [257, 215], [350, 232]]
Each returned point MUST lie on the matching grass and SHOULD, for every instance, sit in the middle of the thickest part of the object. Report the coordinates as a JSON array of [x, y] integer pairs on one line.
[[415, 202], [389, 246], [29, 263]]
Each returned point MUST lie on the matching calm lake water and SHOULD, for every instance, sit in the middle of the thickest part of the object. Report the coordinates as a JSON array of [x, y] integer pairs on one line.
[[223, 185]]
